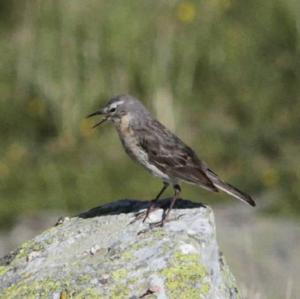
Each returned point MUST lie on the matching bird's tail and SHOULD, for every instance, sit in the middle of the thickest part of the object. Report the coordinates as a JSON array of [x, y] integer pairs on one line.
[[229, 189]]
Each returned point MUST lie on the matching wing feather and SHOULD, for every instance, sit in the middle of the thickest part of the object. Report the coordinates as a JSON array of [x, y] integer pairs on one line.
[[169, 154]]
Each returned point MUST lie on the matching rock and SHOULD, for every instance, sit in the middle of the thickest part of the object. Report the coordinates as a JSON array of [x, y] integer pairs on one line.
[[103, 253]]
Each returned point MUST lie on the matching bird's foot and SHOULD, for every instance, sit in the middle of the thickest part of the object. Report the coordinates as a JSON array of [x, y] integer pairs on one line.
[[137, 216], [161, 222], [144, 214], [157, 224], [153, 225], [164, 220], [150, 209]]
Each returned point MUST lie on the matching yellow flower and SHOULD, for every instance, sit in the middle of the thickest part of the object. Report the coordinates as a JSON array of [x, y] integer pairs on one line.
[[186, 12]]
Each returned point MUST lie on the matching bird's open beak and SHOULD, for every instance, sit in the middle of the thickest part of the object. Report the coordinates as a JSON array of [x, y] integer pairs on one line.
[[100, 112]]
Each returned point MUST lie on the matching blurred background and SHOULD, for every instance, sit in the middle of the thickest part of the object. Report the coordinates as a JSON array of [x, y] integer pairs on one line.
[[223, 74]]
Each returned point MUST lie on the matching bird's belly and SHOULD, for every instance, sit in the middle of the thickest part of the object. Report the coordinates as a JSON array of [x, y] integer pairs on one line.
[[138, 154]]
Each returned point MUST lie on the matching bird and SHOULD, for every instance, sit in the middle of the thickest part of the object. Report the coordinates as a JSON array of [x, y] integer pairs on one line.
[[161, 152]]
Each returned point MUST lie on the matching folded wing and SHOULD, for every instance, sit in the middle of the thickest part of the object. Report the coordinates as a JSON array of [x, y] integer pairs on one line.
[[169, 154]]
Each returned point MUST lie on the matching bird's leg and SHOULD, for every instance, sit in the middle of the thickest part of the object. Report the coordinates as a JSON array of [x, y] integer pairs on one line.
[[177, 190], [153, 202], [145, 214]]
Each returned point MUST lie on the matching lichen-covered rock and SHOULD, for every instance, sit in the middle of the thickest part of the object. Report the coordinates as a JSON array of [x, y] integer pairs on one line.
[[103, 254]]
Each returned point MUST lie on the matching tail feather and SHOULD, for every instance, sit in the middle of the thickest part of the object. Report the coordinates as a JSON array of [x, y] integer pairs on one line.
[[229, 189]]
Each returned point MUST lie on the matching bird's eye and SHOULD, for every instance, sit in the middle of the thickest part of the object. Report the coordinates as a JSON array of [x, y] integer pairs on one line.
[[112, 109]]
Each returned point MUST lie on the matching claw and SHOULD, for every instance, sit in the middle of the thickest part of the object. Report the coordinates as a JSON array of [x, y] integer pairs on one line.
[[137, 216], [143, 215]]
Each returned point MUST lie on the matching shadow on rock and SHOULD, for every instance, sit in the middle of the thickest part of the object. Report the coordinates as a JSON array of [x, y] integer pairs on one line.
[[132, 206]]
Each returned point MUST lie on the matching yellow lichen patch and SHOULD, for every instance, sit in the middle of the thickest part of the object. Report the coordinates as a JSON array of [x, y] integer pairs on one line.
[[46, 289], [89, 293], [127, 255], [205, 287], [186, 277], [83, 279], [119, 274], [120, 292], [158, 233], [37, 289], [3, 270], [122, 283], [26, 249]]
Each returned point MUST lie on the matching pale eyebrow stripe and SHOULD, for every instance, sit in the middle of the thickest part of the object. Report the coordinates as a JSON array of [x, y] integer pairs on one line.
[[115, 104]]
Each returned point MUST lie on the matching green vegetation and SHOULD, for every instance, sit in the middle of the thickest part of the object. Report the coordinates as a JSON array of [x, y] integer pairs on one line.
[[224, 74]]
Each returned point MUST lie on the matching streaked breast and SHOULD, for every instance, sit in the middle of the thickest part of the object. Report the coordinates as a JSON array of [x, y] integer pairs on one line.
[[133, 149]]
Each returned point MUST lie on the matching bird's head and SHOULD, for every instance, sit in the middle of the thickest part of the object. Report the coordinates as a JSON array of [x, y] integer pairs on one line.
[[119, 107]]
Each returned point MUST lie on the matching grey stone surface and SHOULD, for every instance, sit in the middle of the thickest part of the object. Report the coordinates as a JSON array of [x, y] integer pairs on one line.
[[102, 254]]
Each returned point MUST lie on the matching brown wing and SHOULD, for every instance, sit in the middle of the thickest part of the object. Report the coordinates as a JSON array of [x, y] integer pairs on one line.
[[169, 154]]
